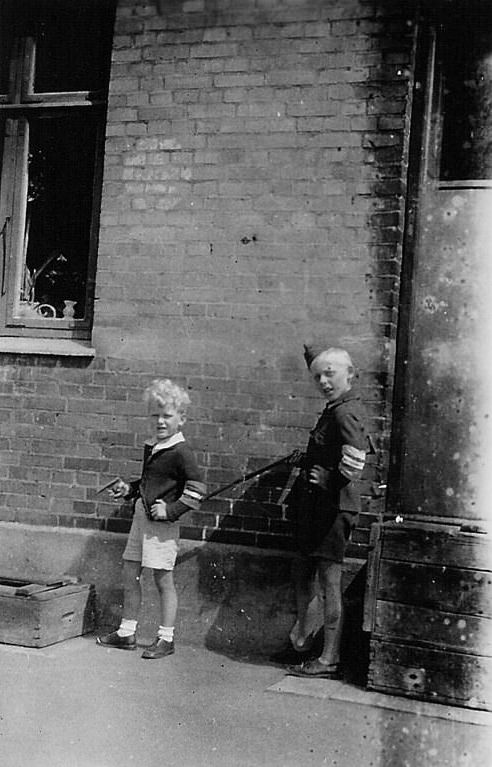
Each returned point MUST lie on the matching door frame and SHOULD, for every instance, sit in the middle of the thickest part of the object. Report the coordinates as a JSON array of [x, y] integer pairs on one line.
[[420, 124]]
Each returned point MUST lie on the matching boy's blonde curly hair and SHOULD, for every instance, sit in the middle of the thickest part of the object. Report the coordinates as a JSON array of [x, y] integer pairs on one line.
[[164, 392]]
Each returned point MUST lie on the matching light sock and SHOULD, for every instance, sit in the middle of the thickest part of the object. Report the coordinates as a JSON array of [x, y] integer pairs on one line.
[[166, 633], [127, 628]]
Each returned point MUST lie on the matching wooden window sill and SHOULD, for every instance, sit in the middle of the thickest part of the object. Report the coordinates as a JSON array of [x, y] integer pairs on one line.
[[55, 347]]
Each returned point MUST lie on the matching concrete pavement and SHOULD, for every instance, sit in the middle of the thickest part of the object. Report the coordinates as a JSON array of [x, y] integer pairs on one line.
[[75, 704]]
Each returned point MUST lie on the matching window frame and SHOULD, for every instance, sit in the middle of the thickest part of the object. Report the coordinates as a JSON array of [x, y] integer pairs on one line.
[[17, 107]]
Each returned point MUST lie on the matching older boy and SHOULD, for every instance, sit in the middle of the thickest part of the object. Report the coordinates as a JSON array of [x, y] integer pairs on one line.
[[170, 485], [325, 501]]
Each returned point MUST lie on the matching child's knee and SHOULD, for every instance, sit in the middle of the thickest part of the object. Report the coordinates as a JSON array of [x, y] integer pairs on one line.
[[164, 580], [330, 575]]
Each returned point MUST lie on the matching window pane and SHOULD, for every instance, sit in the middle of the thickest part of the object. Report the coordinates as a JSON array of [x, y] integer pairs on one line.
[[61, 160], [72, 39], [4, 220], [2, 138], [466, 151], [6, 39]]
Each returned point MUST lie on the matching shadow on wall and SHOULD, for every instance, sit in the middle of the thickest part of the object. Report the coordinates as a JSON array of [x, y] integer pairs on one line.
[[254, 597], [255, 611], [251, 599], [251, 587]]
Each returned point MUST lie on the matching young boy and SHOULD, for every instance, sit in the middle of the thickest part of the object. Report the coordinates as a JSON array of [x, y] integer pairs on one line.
[[170, 485], [325, 501]]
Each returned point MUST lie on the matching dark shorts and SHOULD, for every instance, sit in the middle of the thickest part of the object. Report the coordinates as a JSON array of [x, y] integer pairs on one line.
[[334, 543]]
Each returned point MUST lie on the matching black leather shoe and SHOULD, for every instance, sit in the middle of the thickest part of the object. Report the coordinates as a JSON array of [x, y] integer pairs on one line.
[[115, 640], [159, 649]]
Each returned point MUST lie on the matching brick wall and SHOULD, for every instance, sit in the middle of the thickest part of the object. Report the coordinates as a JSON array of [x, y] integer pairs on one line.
[[252, 200]]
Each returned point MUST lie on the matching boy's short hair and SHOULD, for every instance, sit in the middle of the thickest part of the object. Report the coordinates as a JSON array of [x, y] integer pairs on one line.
[[312, 352], [340, 354], [165, 392]]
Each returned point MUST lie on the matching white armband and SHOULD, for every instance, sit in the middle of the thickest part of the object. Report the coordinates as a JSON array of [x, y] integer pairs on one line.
[[352, 462], [193, 494]]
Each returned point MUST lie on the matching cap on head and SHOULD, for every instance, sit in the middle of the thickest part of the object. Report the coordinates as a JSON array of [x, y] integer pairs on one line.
[[311, 351]]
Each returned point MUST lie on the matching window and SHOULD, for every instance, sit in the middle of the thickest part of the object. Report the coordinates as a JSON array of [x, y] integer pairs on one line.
[[54, 74], [465, 51]]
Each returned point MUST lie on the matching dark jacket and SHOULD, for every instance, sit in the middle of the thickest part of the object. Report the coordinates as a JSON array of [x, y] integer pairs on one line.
[[171, 475], [338, 443]]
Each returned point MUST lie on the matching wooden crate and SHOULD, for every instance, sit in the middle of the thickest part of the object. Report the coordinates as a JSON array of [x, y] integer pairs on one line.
[[40, 614], [414, 671], [428, 606]]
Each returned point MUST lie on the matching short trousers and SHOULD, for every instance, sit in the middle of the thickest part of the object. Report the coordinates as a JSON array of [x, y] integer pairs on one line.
[[334, 544], [154, 544]]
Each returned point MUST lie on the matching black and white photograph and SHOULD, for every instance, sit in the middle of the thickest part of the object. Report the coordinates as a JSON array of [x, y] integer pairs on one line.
[[245, 383]]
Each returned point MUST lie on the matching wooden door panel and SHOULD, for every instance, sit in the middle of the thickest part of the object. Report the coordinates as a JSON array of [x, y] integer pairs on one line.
[[449, 420]]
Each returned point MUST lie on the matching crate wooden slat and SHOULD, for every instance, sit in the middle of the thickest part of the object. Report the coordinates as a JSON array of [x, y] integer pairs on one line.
[[436, 586], [431, 544], [458, 632]]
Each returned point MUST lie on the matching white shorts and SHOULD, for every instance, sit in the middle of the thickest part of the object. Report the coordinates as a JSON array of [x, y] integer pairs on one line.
[[154, 544]]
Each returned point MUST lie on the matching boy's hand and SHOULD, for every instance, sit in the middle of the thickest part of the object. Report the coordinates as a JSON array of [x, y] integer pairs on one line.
[[158, 510], [119, 489], [319, 476]]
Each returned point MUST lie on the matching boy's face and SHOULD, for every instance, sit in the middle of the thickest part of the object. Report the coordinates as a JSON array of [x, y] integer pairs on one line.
[[333, 376], [166, 420]]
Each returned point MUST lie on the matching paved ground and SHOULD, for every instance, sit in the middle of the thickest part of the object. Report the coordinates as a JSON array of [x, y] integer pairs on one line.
[[75, 704]]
